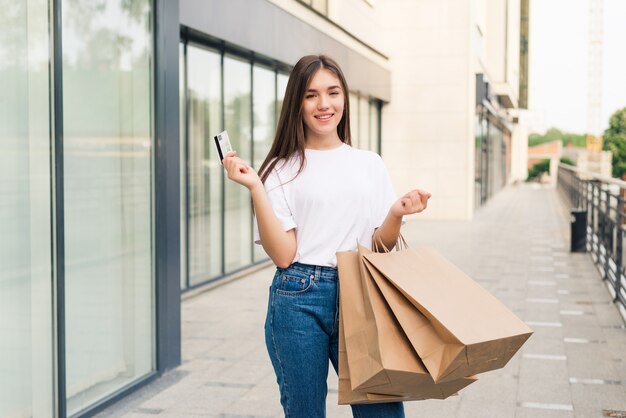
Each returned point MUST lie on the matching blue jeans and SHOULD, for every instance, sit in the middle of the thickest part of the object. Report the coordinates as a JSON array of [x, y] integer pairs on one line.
[[301, 334]]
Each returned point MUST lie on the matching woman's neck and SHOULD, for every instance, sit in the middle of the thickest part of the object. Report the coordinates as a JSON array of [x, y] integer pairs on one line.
[[322, 142]]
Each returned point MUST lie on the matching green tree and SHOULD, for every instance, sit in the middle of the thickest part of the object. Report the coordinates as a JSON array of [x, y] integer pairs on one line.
[[553, 134], [567, 161], [615, 141], [538, 169]]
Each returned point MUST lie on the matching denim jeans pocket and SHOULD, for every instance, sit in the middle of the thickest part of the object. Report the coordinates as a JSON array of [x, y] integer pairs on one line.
[[293, 283]]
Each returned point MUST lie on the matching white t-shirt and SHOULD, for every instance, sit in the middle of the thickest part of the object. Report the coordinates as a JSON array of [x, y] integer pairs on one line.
[[339, 198]]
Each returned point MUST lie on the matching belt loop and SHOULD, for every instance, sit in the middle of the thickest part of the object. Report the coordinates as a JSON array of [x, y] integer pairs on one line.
[[318, 273]]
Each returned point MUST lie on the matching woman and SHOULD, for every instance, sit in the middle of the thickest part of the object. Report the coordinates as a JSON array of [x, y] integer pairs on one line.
[[316, 195]]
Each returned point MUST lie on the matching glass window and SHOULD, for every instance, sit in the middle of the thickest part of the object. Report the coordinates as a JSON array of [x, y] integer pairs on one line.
[[354, 120], [26, 347], [281, 88], [264, 106], [237, 203], [107, 83], [374, 115], [364, 123], [204, 172]]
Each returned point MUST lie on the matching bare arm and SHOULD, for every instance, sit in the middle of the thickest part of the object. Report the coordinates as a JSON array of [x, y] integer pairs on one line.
[[280, 245], [413, 202]]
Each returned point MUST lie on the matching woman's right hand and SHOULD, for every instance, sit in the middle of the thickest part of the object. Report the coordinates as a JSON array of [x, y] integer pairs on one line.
[[240, 172]]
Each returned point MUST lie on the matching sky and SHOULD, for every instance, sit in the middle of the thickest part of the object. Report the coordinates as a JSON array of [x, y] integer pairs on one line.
[[558, 62]]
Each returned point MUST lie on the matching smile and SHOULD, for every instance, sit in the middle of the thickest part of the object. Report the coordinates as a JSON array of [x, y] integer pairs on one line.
[[324, 117]]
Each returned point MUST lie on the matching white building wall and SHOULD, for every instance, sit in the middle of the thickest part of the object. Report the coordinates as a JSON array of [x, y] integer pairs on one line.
[[495, 37], [359, 17], [435, 48], [513, 40], [427, 132]]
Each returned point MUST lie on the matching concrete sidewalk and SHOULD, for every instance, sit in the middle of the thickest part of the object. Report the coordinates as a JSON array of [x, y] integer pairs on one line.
[[516, 247]]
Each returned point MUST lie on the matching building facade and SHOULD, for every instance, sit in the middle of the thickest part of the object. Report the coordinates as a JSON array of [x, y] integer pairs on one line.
[[113, 201]]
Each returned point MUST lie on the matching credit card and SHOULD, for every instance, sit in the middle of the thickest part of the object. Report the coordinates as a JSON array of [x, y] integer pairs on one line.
[[222, 142]]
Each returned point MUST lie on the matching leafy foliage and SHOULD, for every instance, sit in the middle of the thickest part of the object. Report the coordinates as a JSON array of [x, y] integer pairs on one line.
[[615, 141], [538, 169], [554, 134], [566, 160]]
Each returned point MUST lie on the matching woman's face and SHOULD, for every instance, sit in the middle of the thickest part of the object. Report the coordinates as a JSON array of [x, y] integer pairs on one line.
[[323, 103]]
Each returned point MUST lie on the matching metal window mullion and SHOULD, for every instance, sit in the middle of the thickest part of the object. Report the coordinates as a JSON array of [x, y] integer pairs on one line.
[[58, 257], [223, 205], [187, 164], [252, 258]]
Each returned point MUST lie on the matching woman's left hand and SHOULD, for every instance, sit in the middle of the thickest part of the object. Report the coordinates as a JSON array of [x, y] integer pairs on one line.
[[414, 201]]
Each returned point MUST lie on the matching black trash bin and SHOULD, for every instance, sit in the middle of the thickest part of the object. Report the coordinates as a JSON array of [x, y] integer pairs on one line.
[[579, 231]]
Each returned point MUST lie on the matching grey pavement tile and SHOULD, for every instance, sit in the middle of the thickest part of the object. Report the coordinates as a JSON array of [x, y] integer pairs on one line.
[[207, 399], [259, 401], [200, 366], [547, 331], [334, 410], [234, 349], [588, 413], [584, 362], [599, 396], [538, 369], [148, 411], [579, 320], [230, 375], [523, 412], [536, 312], [583, 331], [495, 386], [513, 366], [433, 408], [243, 372], [544, 390], [544, 344], [173, 396], [481, 409], [195, 348]]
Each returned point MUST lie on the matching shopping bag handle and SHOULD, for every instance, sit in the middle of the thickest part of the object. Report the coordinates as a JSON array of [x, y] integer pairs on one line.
[[400, 244]]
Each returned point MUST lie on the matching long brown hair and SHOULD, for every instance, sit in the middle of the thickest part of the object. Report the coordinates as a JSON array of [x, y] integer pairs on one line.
[[290, 139]]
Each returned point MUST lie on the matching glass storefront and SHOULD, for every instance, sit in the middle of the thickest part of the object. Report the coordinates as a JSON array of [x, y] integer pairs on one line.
[[81, 290], [264, 119], [107, 334], [204, 173], [364, 122], [107, 156], [492, 156], [26, 311], [221, 90], [237, 203]]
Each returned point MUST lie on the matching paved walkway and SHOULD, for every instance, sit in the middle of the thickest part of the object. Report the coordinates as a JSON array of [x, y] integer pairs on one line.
[[516, 247]]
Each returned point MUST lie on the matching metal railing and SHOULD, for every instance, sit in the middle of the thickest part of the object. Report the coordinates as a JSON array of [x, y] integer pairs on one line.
[[603, 200]]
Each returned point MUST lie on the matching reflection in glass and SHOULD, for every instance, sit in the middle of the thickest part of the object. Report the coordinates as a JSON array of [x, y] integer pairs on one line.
[[204, 174], [107, 78], [26, 345], [281, 87], [364, 123], [354, 120], [374, 128], [264, 106], [238, 207]]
